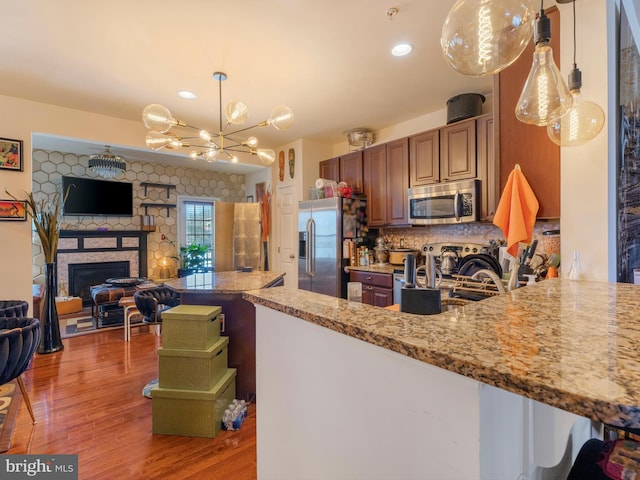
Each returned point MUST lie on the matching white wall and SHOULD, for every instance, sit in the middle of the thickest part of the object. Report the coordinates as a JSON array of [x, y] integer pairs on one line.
[[308, 155], [20, 119], [585, 179]]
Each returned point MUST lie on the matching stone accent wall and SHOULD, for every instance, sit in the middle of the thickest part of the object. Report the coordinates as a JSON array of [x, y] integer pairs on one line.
[[49, 167]]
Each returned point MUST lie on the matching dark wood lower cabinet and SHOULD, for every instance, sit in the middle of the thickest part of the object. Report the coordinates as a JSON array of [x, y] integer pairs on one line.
[[377, 288]]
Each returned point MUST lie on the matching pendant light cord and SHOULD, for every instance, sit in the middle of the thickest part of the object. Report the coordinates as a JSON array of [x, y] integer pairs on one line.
[[574, 33]]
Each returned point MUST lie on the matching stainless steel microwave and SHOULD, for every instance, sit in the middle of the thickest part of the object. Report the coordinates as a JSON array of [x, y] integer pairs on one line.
[[445, 203]]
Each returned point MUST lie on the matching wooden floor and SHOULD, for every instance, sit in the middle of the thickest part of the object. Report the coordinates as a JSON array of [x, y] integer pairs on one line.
[[88, 401]]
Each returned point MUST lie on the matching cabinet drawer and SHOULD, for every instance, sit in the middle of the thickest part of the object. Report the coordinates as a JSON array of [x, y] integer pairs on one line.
[[384, 280]]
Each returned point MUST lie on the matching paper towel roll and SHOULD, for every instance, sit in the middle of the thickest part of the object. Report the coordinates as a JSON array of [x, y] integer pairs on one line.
[[320, 183]]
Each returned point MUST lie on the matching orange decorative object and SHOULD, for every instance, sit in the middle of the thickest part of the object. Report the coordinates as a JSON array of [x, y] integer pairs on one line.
[[66, 305], [265, 215], [517, 210], [552, 272], [281, 165]]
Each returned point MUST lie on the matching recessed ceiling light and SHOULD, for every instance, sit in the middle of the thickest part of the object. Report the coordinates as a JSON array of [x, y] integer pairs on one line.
[[187, 94], [401, 49]]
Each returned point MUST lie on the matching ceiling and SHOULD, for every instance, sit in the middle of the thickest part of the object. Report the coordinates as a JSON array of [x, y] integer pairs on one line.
[[327, 60]]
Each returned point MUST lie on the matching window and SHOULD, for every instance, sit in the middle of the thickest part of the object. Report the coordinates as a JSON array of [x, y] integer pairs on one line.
[[196, 220]]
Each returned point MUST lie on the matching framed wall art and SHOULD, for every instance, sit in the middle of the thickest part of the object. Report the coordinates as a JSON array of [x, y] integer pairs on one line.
[[15, 210], [11, 154]]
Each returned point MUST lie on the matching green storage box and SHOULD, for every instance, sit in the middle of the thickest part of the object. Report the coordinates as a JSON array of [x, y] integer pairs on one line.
[[192, 413], [194, 327], [193, 369]]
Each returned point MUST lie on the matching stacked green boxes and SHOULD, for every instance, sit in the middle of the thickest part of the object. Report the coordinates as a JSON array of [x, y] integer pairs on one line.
[[194, 327], [195, 384]]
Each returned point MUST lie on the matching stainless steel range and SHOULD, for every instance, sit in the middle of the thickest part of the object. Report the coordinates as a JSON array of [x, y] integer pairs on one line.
[[449, 256]]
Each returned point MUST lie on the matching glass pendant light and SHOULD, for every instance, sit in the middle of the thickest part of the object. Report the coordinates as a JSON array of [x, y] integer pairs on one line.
[[483, 37], [544, 93], [585, 119], [582, 123]]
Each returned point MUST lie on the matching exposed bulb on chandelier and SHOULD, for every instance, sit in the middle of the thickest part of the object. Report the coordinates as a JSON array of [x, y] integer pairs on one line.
[[158, 141], [236, 112], [281, 117], [157, 118], [266, 155]]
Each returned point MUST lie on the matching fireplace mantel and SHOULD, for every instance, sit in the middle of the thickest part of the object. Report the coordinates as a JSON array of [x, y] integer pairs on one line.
[[96, 246], [101, 233]]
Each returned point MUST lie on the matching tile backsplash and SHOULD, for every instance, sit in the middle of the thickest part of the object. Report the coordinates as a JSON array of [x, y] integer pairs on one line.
[[482, 233]]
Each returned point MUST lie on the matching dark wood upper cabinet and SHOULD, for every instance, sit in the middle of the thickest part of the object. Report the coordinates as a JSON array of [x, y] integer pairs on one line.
[[397, 181], [424, 158], [524, 144], [351, 170], [375, 184], [345, 168], [330, 169], [386, 179], [443, 155], [458, 151], [488, 170]]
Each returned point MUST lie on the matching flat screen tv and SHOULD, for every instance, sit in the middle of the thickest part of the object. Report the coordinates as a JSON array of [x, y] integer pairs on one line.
[[88, 196]]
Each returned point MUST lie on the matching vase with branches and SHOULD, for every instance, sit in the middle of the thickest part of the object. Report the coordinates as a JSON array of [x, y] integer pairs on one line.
[[265, 225], [46, 215]]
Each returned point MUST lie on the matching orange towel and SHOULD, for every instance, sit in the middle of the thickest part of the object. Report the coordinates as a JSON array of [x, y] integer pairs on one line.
[[516, 213]]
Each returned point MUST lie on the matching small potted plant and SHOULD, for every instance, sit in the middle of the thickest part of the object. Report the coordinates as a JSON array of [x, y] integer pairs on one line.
[[192, 259]]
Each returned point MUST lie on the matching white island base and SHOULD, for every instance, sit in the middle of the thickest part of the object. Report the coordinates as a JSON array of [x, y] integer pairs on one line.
[[334, 407]]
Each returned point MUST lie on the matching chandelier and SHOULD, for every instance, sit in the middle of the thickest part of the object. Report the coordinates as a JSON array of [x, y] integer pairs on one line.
[[107, 164], [213, 146]]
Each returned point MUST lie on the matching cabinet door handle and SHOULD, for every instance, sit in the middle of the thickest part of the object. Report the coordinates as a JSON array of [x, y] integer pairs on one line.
[[292, 256], [368, 279]]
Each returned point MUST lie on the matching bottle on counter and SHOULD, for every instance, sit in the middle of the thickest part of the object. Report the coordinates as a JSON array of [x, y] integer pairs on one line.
[[575, 271]]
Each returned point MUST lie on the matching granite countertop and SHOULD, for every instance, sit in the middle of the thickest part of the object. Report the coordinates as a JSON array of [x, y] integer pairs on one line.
[[224, 282], [376, 268], [572, 345]]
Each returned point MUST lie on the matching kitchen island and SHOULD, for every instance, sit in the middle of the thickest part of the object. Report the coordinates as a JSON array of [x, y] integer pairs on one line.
[[225, 289], [473, 393]]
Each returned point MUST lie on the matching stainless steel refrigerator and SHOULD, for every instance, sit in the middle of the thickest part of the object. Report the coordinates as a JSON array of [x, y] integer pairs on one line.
[[323, 225]]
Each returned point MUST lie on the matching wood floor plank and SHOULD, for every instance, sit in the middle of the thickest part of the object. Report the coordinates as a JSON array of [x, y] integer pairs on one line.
[[88, 401]]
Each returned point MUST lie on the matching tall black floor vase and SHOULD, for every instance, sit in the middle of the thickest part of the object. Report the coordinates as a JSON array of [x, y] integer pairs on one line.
[[50, 340], [266, 256]]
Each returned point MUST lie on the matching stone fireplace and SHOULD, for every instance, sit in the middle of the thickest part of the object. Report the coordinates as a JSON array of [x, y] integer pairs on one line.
[[87, 258]]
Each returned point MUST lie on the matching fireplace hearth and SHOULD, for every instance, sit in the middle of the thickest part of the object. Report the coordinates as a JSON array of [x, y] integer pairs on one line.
[[84, 275]]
